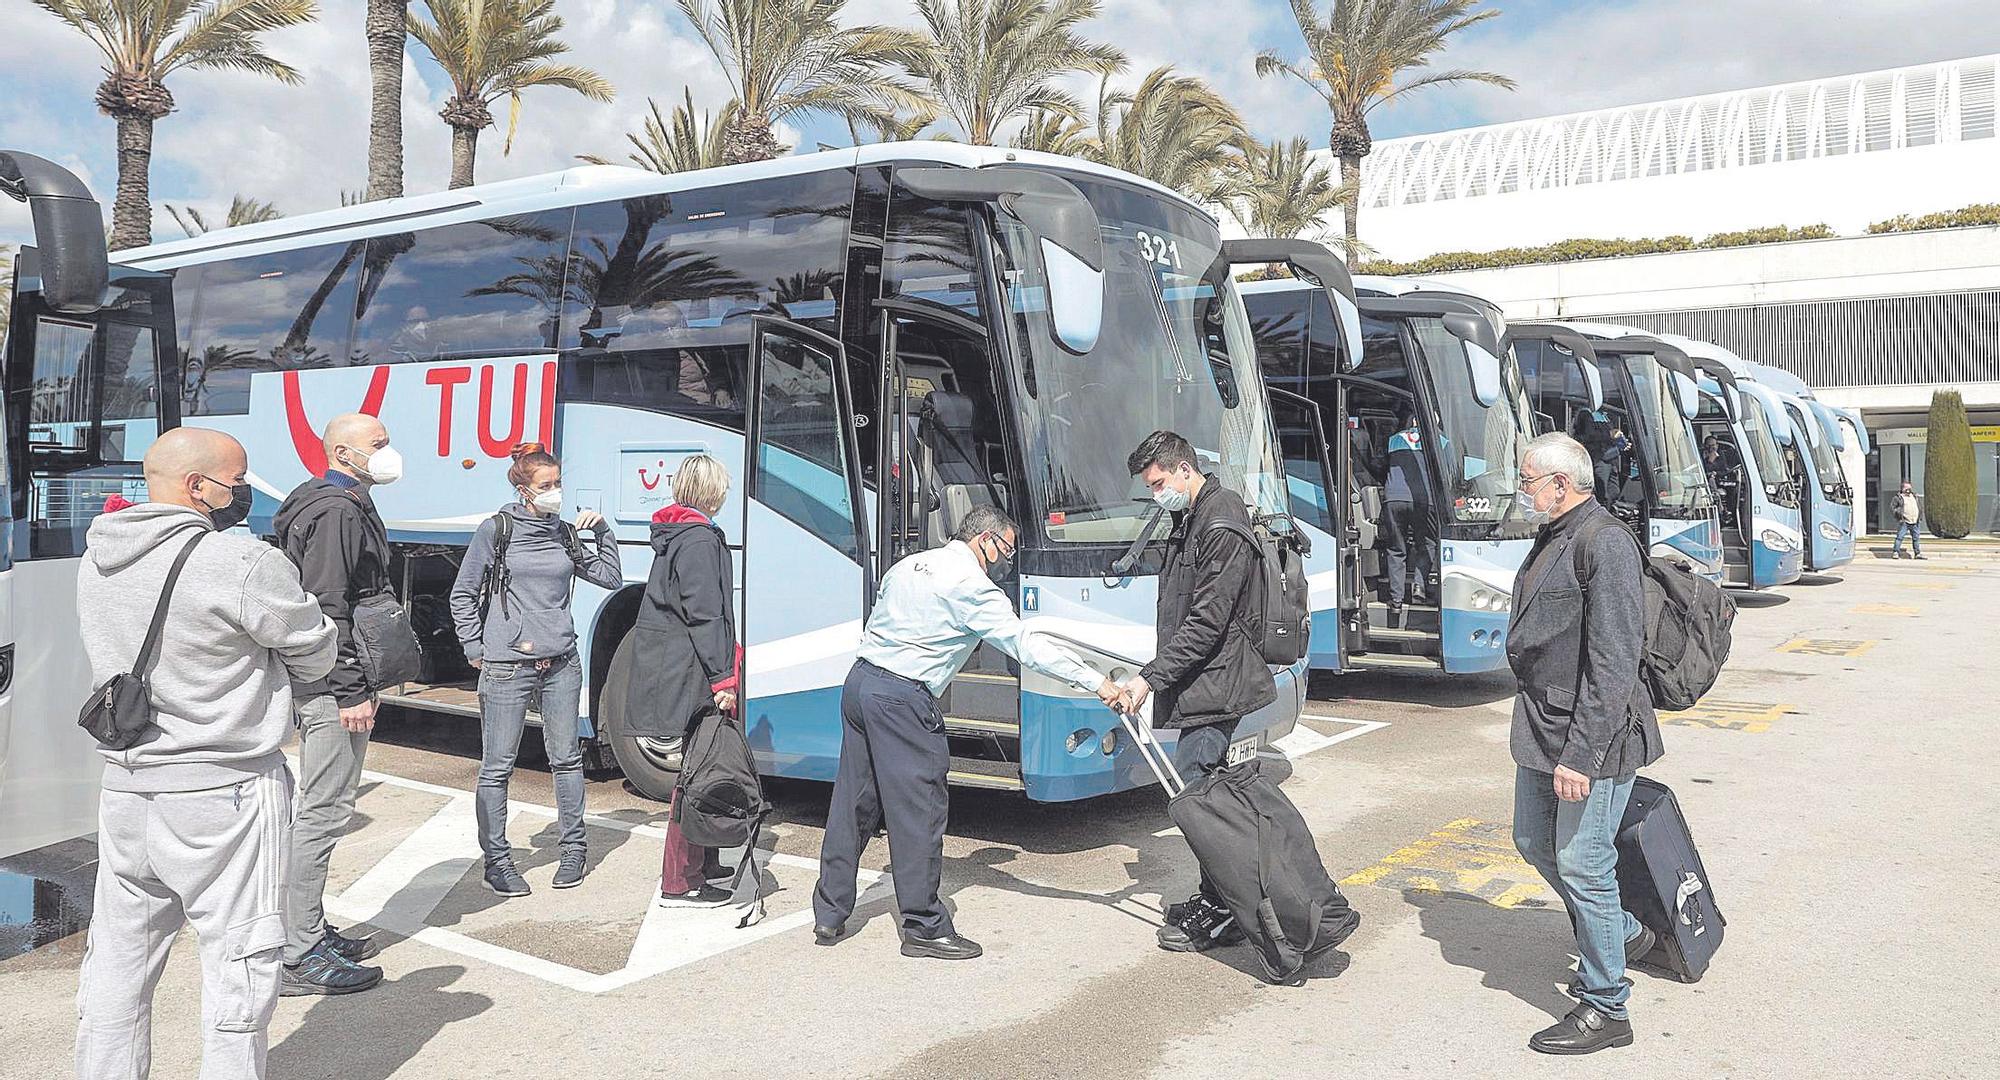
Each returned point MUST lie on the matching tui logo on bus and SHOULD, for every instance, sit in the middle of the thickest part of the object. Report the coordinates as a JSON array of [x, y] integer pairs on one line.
[[495, 441]]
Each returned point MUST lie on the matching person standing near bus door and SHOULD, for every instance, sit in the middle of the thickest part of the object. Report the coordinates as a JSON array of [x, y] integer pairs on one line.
[[194, 821], [332, 532], [1408, 515], [931, 611], [510, 604]]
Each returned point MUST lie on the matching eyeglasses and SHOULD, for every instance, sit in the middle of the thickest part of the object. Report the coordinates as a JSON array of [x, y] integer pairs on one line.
[[1006, 549]]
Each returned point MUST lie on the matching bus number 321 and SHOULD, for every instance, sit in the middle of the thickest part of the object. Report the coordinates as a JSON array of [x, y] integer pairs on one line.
[[1159, 249]]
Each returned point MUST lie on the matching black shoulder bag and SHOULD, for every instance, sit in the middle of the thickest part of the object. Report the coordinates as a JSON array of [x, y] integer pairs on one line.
[[121, 712]]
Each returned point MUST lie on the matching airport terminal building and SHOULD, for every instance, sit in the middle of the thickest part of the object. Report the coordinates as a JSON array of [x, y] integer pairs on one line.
[[1875, 322]]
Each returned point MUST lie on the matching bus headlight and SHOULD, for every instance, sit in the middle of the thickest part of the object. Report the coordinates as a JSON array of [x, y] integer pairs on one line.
[[1777, 541], [1829, 530], [1470, 594]]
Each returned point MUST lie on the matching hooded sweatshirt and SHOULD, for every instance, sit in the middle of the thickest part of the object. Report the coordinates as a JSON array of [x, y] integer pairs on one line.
[[331, 531], [240, 629], [531, 620]]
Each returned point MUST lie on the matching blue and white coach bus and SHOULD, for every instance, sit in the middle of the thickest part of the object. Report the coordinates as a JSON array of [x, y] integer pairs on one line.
[[881, 337]]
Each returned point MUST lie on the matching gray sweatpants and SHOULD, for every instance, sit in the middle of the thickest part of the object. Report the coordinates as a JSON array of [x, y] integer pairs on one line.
[[215, 859], [330, 758]]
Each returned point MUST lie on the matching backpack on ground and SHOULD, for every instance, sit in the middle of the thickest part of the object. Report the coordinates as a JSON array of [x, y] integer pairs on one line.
[[1662, 883], [1258, 853], [1278, 600], [719, 802], [1687, 626]]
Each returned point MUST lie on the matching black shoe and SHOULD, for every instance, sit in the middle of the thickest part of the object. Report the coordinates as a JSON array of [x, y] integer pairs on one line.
[[704, 896], [1197, 925], [948, 947], [323, 971], [506, 880], [351, 948], [1583, 1031], [1638, 947], [569, 872], [828, 935]]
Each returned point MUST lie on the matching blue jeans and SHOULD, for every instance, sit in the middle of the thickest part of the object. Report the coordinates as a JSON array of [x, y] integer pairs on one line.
[[506, 688], [1571, 843], [1916, 545]]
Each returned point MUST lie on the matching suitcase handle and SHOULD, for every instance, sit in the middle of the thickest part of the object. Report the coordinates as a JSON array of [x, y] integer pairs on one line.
[[1139, 726]]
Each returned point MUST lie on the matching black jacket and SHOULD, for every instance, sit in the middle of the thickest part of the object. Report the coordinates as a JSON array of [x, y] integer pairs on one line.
[[684, 642], [1574, 640], [337, 540], [1209, 668]]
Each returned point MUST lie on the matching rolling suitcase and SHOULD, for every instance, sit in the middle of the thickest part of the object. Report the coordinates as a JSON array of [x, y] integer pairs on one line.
[[1258, 853], [1663, 884]]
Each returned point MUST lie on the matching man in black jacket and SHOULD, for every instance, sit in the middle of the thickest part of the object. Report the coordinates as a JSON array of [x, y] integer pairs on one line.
[[330, 528], [1209, 669], [1583, 724]]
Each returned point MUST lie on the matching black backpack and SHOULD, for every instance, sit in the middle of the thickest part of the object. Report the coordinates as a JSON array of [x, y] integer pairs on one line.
[[1278, 600], [1687, 626], [719, 801], [494, 582]]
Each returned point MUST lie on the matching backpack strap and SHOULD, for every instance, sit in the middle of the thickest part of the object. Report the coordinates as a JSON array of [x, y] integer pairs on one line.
[[495, 584], [1228, 526], [159, 624], [1580, 546]]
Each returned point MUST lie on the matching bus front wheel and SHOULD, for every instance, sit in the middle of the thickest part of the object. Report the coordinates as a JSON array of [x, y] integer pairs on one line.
[[650, 764]]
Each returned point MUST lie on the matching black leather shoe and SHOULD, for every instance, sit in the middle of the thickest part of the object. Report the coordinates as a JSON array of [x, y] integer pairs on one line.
[[1583, 1031], [1639, 946], [948, 947], [828, 935]]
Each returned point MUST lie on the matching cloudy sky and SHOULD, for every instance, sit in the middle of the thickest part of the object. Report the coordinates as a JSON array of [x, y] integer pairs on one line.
[[300, 147]]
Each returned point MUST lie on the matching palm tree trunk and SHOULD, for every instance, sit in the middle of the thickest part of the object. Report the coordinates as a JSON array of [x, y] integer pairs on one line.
[[132, 212], [385, 27], [1350, 176], [464, 147]]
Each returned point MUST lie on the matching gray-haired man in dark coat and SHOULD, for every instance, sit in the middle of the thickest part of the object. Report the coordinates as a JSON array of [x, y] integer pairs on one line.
[[1583, 724]]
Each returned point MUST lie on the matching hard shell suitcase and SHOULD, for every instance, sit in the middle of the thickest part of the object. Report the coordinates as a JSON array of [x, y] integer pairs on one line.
[[1663, 884], [1258, 853]]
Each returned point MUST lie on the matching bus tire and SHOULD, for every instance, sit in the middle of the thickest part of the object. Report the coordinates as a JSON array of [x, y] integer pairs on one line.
[[652, 770]]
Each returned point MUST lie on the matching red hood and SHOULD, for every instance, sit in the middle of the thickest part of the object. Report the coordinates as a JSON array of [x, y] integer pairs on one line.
[[676, 514]]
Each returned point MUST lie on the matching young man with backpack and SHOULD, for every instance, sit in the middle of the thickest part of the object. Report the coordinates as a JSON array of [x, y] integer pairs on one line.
[[1583, 725], [1209, 669], [332, 532]]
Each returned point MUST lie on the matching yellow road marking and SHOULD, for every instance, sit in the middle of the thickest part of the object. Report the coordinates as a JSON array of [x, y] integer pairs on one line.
[[1935, 586], [1469, 856], [1883, 609], [1827, 646], [1753, 717]]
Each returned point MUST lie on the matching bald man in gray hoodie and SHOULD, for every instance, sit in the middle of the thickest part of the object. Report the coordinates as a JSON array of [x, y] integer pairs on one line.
[[195, 819]]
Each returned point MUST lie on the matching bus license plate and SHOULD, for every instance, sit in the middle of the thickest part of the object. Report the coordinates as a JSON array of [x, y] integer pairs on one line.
[[1240, 752]]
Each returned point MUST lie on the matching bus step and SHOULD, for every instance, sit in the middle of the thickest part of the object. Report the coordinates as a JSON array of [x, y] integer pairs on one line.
[[979, 773], [1395, 662], [965, 725], [1408, 635], [441, 698]]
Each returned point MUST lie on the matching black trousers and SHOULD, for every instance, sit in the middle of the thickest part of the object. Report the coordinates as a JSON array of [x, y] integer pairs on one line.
[[1199, 751], [893, 761], [1409, 534]]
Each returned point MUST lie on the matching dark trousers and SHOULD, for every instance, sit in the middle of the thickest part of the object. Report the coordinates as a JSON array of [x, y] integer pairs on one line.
[[1409, 531], [1197, 752], [893, 761]]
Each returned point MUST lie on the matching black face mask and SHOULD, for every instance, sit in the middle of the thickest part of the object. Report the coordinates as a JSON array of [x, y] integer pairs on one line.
[[236, 512], [1002, 567]]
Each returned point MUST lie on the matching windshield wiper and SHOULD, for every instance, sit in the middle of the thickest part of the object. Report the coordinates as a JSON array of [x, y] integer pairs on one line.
[[1182, 376]]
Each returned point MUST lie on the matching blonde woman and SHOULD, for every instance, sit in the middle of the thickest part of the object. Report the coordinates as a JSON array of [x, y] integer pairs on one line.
[[685, 660]]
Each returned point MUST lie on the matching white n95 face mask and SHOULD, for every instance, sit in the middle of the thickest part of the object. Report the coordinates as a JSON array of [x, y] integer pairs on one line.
[[548, 502], [385, 466]]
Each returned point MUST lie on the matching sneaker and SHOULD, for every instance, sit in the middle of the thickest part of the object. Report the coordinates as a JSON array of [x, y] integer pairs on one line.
[[705, 896], [506, 880], [323, 971], [1197, 925], [351, 948], [569, 872]]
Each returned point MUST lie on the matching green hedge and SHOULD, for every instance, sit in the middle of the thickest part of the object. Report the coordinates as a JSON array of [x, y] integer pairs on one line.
[[1976, 214], [1951, 488], [1575, 250]]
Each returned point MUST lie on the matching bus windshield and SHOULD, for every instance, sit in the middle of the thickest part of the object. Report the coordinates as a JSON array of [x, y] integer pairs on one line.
[[1479, 447], [1826, 460], [1763, 445], [1679, 481], [1175, 353]]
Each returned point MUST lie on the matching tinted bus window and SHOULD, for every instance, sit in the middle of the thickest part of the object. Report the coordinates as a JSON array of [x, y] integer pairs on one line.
[[482, 288], [928, 254], [1279, 323], [661, 289], [288, 309]]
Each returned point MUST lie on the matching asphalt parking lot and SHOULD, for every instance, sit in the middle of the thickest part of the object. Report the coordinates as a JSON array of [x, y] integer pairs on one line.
[[1836, 780]]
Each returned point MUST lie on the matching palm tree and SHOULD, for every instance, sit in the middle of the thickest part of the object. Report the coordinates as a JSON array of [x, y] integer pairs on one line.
[[989, 61], [143, 42], [386, 26], [1174, 130], [1278, 189], [1054, 133], [242, 211], [1355, 58], [493, 49], [784, 57], [898, 127], [683, 144]]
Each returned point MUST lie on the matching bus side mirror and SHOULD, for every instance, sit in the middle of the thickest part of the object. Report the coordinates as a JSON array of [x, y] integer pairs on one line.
[[1482, 360], [69, 231], [1066, 231], [1313, 263]]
